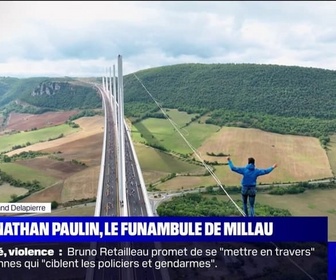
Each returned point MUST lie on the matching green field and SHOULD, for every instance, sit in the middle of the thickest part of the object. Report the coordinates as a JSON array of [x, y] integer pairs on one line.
[[25, 174], [153, 159], [8, 141], [160, 132], [180, 118], [156, 164]]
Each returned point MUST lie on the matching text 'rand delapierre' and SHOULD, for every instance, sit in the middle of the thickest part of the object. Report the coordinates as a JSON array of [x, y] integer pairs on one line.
[[25, 207]]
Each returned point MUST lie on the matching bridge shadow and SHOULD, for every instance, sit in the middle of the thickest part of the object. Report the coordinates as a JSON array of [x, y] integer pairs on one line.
[[150, 139]]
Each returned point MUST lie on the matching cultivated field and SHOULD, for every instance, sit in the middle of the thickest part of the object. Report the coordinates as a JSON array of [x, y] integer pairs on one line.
[[299, 158], [88, 126], [150, 157], [81, 185], [156, 164], [35, 136], [87, 150], [25, 173], [64, 180], [49, 194], [20, 121], [6, 190], [51, 167], [180, 118]]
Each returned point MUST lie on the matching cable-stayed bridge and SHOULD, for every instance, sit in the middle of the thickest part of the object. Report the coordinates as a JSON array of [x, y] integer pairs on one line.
[[121, 188]]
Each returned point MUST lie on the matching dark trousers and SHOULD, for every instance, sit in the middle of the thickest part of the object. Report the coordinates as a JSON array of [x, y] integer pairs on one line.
[[251, 199], [248, 192]]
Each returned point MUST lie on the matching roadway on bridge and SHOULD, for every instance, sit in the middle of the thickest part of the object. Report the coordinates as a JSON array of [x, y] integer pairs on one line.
[[110, 206], [110, 195]]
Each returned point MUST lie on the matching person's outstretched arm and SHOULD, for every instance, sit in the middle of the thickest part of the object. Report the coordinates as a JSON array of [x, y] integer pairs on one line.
[[239, 170], [267, 170]]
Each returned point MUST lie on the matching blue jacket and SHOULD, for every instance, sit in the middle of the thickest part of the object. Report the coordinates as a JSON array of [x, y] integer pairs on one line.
[[250, 173]]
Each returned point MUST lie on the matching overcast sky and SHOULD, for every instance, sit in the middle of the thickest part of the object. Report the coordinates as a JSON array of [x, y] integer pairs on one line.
[[82, 38]]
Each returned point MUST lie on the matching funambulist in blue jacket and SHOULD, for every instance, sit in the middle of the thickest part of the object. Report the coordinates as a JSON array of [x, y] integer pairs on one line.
[[250, 173]]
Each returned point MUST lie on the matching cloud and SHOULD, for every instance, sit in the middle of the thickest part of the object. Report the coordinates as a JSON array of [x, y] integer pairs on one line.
[[78, 38]]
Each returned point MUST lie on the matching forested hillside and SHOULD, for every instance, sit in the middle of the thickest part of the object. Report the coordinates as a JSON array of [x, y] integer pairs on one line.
[[47, 93], [8, 87], [284, 99]]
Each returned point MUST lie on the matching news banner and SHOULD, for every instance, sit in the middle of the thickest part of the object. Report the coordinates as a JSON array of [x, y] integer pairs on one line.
[[165, 247]]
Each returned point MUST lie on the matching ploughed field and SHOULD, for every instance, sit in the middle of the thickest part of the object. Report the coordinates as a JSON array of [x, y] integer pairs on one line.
[[21, 121]]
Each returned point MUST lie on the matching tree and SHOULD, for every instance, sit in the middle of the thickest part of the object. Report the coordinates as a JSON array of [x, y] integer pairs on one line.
[[6, 158], [54, 204]]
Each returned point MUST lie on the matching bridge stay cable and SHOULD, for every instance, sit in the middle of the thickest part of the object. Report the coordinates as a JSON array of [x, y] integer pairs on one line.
[[210, 170]]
